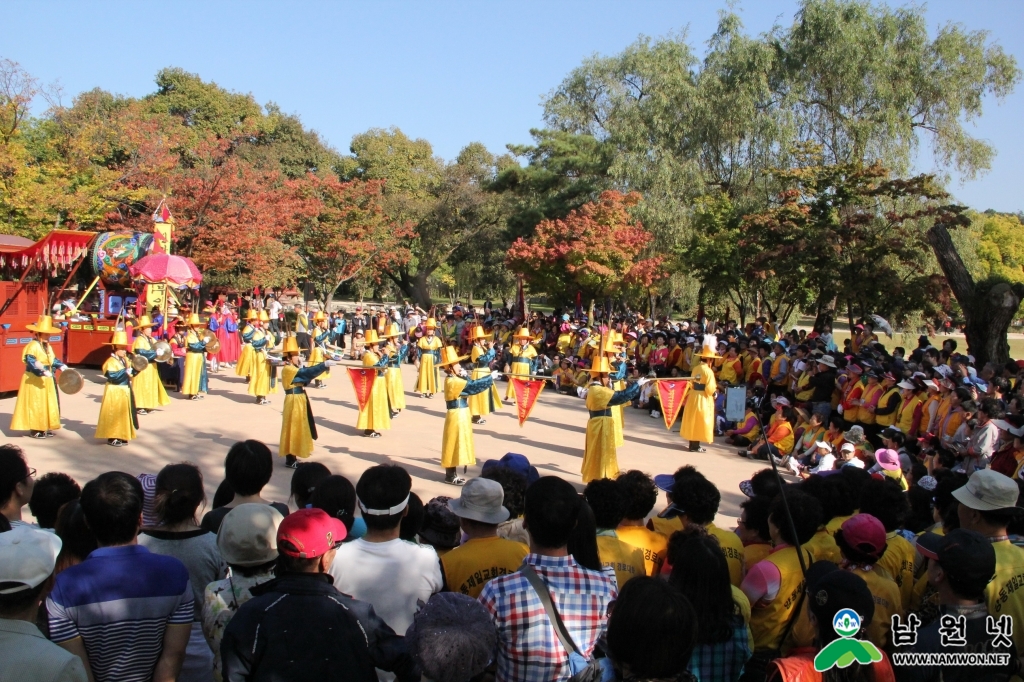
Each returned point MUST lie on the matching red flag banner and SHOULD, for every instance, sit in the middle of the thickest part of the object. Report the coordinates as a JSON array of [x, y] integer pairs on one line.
[[672, 395], [362, 381], [526, 392]]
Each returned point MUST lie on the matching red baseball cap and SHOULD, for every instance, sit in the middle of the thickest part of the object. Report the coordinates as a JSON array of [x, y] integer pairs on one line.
[[865, 533], [309, 533]]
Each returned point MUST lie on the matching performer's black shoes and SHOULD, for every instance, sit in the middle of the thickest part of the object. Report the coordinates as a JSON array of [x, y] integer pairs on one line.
[[116, 442], [37, 434], [142, 410], [291, 461], [479, 421], [49, 434]]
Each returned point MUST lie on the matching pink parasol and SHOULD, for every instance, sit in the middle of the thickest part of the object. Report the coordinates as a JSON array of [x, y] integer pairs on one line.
[[162, 267]]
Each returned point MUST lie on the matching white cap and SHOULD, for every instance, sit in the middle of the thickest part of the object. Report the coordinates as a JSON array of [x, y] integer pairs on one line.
[[27, 556], [906, 385], [823, 444], [847, 447]]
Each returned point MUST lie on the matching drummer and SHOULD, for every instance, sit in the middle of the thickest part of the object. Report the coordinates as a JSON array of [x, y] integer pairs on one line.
[[244, 366], [195, 383], [37, 409], [117, 422], [149, 390]]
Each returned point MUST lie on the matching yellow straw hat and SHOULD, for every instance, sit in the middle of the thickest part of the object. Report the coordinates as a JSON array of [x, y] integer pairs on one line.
[[609, 345], [601, 366], [450, 356], [264, 316], [319, 316], [431, 323], [290, 347], [44, 325], [143, 321], [120, 338], [523, 333], [478, 334], [392, 331], [252, 315], [371, 336], [194, 321]]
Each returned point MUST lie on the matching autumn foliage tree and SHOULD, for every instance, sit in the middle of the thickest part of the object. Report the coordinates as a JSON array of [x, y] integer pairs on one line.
[[597, 250], [340, 231]]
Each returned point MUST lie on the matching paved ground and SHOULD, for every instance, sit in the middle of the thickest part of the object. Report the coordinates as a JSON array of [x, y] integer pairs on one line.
[[202, 431]]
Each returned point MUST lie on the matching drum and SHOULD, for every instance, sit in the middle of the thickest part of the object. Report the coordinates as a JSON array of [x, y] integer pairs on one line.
[[213, 346], [139, 363], [163, 351], [70, 381]]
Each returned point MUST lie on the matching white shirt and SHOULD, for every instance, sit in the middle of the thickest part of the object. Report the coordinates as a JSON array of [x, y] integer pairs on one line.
[[391, 576]]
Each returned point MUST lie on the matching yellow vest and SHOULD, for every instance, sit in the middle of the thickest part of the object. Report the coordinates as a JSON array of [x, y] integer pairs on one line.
[[905, 414], [1005, 594], [886, 595], [776, 366], [870, 394], [887, 419], [626, 560], [468, 568], [732, 548], [768, 621], [822, 547], [898, 561], [654, 545]]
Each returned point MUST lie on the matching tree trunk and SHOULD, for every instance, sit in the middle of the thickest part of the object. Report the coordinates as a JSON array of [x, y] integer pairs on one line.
[[988, 314], [413, 286]]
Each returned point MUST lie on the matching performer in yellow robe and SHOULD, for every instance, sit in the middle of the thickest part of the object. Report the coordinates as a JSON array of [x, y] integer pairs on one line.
[[244, 366], [611, 347], [482, 355], [195, 381], [319, 335], [263, 373], [395, 352], [523, 356], [376, 415], [699, 411], [430, 353], [117, 422], [149, 390], [37, 409], [457, 438], [599, 457], [298, 431]]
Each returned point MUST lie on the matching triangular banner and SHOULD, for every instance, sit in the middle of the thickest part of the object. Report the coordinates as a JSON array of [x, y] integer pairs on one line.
[[362, 381], [672, 395], [526, 392]]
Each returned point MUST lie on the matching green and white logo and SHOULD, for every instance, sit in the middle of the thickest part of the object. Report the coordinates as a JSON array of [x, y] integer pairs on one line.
[[842, 652]]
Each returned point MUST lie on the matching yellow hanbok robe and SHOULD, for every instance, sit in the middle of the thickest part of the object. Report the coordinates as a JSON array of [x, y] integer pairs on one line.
[[522, 360], [263, 380], [38, 406], [618, 412], [195, 364], [599, 457], [244, 366], [117, 411], [699, 412], [430, 352], [393, 374], [485, 402], [376, 416], [298, 431], [149, 390], [457, 437], [318, 352]]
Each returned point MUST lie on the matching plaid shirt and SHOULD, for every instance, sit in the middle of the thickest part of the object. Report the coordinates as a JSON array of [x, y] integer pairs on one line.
[[528, 648], [724, 660]]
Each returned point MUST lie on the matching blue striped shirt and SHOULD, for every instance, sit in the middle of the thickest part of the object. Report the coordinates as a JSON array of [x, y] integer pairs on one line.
[[120, 601]]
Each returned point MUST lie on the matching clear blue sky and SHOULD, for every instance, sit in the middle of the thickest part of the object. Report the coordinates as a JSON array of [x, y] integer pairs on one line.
[[449, 72]]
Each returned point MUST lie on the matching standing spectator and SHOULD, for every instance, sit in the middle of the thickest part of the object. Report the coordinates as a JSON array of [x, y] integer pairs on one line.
[[300, 627], [274, 308], [247, 541], [451, 638], [641, 495], [723, 646], [359, 324], [608, 502], [146, 636], [247, 470], [652, 632], [302, 328], [338, 329], [179, 494], [987, 506], [52, 492], [984, 440], [16, 483], [483, 556], [528, 647], [27, 560], [380, 568]]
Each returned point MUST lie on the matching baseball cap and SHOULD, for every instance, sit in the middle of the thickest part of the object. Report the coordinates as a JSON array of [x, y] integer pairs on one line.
[[665, 482], [248, 534], [988, 490], [966, 556], [864, 533], [481, 500], [847, 447], [887, 459], [782, 400], [309, 533], [27, 558], [906, 385]]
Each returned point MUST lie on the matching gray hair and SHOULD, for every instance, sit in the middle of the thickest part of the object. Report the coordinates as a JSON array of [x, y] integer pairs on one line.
[[452, 637]]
